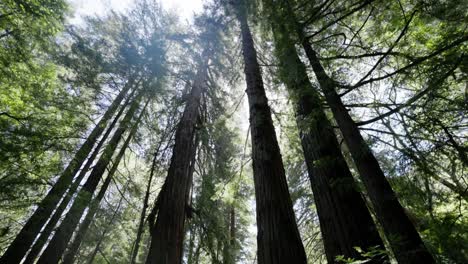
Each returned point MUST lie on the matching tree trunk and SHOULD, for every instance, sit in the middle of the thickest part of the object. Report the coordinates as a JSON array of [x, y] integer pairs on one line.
[[44, 235], [345, 220], [83, 228], [57, 245], [191, 245], [167, 234], [278, 238], [143, 211], [401, 233], [106, 229], [229, 245], [23, 241]]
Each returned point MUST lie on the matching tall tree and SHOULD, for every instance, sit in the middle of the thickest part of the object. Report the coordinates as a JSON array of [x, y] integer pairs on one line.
[[278, 238], [167, 234]]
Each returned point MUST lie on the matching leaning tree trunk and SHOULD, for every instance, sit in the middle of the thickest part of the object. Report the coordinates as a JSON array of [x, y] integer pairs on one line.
[[345, 220], [59, 241], [83, 228], [278, 238], [25, 238], [403, 237], [167, 234], [44, 235]]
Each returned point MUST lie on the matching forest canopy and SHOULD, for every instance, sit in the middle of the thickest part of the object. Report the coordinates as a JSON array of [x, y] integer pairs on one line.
[[252, 131]]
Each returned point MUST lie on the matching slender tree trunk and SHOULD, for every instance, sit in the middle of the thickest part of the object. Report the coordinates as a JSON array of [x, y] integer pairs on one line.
[[191, 246], [141, 224], [167, 234], [345, 220], [229, 245], [23, 241], [83, 228], [403, 237], [107, 228], [57, 245], [278, 238], [44, 235]]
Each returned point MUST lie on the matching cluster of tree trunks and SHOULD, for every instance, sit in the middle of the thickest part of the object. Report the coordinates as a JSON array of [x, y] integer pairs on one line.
[[345, 221], [404, 239], [25, 238], [64, 232]]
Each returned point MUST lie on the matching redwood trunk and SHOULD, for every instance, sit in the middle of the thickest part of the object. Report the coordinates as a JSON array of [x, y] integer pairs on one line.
[[278, 238], [403, 237], [25, 238], [57, 245], [167, 234], [345, 220]]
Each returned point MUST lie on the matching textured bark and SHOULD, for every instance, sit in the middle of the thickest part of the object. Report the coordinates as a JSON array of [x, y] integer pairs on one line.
[[167, 234], [83, 228], [345, 220], [58, 243], [399, 230], [25, 238], [44, 235], [278, 238]]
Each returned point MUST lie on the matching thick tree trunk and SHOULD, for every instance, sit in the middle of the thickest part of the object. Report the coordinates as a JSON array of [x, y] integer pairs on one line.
[[44, 235], [57, 245], [167, 234], [403, 237], [345, 220], [23, 241], [278, 238], [83, 228]]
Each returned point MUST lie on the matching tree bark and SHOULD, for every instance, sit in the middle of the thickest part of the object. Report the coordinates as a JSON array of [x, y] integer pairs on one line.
[[167, 234], [25, 238], [278, 238], [83, 228], [403, 237], [57, 245], [44, 235], [345, 220]]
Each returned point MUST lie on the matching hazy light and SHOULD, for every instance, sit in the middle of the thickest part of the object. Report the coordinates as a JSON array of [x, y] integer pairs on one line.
[[184, 8]]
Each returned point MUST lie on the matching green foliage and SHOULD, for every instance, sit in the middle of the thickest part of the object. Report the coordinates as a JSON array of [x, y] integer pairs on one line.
[[56, 81]]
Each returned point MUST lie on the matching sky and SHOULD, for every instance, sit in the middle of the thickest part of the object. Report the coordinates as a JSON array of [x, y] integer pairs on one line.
[[80, 8]]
